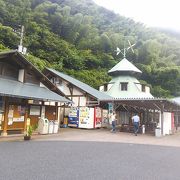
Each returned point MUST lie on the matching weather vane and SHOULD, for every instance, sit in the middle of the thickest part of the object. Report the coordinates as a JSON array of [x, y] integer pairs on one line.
[[124, 50]]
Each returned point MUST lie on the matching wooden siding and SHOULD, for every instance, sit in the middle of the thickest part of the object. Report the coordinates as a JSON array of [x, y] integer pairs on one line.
[[8, 71], [30, 78]]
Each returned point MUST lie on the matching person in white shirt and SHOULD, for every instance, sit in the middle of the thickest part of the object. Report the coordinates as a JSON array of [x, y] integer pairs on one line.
[[136, 120], [113, 119]]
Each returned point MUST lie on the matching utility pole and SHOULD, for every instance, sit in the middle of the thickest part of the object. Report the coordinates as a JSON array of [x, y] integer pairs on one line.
[[22, 34]]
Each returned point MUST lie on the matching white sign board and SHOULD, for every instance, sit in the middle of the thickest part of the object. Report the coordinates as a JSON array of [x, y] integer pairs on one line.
[[35, 110]]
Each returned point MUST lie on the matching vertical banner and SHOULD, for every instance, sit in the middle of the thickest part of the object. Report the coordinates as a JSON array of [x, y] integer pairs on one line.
[[110, 108], [110, 112]]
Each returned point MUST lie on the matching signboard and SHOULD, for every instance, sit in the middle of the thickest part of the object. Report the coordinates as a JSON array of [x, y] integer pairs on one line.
[[110, 108], [19, 119], [35, 110], [110, 111]]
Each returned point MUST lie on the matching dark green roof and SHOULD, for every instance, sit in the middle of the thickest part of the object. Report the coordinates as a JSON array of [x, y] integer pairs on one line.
[[28, 91]]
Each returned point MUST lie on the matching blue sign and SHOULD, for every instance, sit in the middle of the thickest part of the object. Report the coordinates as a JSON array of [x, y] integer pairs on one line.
[[110, 108]]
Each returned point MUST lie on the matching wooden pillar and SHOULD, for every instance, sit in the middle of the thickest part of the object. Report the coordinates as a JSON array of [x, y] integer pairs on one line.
[[177, 116], [6, 108], [144, 116], [176, 120], [154, 115], [148, 116], [25, 118], [56, 105], [42, 114], [162, 119]]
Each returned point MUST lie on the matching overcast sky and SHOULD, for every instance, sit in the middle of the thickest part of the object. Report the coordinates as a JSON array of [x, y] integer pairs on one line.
[[154, 13]]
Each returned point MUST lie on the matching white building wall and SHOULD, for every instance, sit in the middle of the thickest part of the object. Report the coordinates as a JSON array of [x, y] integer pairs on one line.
[[76, 91], [139, 86], [167, 123], [109, 86], [167, 129], [101, 88], [75, 101], [82, 101], [134, 88], [65, 88], [147, 89]]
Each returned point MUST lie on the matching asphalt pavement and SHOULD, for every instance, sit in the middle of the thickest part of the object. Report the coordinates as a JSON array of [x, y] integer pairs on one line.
[[78, 154], [74, 160]]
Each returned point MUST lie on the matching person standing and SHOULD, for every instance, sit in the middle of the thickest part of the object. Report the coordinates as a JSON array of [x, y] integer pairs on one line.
[[136, 121], [113, 119]]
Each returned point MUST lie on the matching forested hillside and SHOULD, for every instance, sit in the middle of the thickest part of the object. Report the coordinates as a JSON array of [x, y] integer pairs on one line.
[[79, 38]]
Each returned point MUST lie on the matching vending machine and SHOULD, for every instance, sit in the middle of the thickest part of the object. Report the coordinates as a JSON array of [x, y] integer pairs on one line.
[[73, 117], [97, 117], [86, 117]]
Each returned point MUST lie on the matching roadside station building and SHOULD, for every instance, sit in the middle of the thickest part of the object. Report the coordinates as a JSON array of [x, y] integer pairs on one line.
[[124, 93], [25, 93], [130, 96]]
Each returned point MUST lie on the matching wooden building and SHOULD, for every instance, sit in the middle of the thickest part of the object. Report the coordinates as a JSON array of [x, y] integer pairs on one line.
[[25, 93], [82, 95], [153, 111]]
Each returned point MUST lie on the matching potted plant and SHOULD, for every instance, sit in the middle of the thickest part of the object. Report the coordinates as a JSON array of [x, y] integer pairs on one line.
[[28, 134]]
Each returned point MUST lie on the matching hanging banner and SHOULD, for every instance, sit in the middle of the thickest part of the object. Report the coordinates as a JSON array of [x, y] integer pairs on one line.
[[110, 112], [110, 108]]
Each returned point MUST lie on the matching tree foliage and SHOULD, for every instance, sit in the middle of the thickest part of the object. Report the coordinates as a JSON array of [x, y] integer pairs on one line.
[[79, 37]]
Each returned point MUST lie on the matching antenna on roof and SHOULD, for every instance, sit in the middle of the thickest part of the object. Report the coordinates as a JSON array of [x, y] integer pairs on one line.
[[125, 49], [131, 46], [22, 49]]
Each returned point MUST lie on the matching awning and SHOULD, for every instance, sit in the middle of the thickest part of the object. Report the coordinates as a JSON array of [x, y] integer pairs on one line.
[[17, 89], [148, 103]]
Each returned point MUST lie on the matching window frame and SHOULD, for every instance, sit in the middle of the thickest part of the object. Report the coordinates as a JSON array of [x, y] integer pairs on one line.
[[124, 86]]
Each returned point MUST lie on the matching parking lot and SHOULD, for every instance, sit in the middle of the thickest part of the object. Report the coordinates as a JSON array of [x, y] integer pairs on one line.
[[101, 135], [90, 154]]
